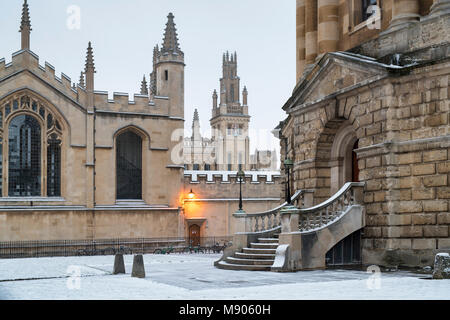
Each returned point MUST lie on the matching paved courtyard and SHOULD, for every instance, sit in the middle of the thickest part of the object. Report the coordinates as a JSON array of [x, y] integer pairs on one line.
[[179, 276]]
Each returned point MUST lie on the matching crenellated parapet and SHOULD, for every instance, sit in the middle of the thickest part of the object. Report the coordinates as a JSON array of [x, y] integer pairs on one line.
[[224, 185], [27, 61], [226, 177], [138, 103]]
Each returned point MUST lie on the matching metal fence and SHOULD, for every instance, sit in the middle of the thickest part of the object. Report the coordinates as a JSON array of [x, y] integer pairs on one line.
[[66, 248]]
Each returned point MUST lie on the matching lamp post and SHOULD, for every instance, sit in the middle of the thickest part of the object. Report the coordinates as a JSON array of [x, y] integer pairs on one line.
[[288, 164], [241, 177]]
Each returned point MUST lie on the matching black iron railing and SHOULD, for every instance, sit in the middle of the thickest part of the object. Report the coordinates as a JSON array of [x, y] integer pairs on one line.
[[66, 248]]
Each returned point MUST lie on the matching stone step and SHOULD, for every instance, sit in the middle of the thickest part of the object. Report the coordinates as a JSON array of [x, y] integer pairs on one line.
[[263, 245], [254, 256], [245, 261], [268, 240], [229, 266], [259, 251]]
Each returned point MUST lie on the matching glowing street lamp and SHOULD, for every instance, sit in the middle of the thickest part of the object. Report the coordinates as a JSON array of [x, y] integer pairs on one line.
[[191, 195]]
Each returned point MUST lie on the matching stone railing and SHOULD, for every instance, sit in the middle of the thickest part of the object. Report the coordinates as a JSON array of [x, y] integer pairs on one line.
[[267, 221], [329, 211]]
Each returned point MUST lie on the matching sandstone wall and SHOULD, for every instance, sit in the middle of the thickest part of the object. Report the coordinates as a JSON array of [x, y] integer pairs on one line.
[[402, 123], [80, 224], [217, 198]]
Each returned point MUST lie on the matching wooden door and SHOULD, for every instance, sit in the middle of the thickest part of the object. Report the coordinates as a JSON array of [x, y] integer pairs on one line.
[[194, 235]]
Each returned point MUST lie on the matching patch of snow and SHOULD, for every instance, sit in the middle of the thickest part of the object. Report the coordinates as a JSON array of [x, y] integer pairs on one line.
[[443, 254], [193, 277]]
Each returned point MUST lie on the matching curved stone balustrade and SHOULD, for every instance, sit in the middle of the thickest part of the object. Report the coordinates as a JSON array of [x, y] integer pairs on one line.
[[269, 220], [329, 211]]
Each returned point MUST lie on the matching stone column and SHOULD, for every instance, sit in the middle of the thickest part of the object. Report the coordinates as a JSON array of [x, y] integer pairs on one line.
[[310, 31], [301, 54], [328, 29], [404, 12], [440, 7]]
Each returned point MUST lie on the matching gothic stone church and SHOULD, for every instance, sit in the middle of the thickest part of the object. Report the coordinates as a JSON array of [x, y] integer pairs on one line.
[[71, 158], [372, 105]]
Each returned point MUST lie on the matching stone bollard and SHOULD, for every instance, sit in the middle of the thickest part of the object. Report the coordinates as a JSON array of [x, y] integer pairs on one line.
[[119, 264], [442, 266], [138, 267]]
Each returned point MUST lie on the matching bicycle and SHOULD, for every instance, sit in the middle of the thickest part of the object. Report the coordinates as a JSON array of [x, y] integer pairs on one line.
[[164, 250], [192, 249]]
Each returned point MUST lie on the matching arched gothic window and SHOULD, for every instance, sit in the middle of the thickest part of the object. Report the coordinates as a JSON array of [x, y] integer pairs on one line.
[[24, 145], [32, 135], [129, 166]]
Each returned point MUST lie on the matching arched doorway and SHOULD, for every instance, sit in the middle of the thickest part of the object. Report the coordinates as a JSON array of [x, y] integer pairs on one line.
[[194, 235], [129, 166], [344, 160]]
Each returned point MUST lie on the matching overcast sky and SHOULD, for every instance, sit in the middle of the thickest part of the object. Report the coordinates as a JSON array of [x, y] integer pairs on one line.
[[123, 34]]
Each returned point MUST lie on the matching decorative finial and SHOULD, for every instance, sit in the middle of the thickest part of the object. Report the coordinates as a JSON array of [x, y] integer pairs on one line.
[[170, 41], [245, 96], [144, 87], [196, 117], [26, 22], [90, 66], [82, 83], [25, 26]]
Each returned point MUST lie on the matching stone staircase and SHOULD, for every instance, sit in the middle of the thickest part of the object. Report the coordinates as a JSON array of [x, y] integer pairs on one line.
[[259, 257]]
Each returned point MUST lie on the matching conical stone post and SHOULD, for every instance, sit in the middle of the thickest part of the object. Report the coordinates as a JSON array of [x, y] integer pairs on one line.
[[138, 267], [119, 264]]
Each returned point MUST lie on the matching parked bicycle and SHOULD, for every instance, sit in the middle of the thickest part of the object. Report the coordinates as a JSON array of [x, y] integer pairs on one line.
[[168, 250], [193, 249], [93, 251]]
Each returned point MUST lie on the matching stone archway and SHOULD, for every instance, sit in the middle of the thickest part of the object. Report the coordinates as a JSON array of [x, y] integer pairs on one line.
[[343, 160], [335, 161]]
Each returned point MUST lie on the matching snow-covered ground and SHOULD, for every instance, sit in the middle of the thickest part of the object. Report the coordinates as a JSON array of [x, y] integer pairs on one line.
[[194, 277]]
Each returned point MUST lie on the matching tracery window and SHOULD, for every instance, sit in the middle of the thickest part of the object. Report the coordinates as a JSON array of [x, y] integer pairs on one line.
[[30, 138]]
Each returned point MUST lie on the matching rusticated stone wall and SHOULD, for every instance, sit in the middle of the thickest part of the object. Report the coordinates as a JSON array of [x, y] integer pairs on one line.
[[402, 125]]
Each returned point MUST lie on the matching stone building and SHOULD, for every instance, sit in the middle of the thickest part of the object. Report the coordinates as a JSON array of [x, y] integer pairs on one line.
[[228, 149], [372, 105], [77, 165], [210, 212]]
